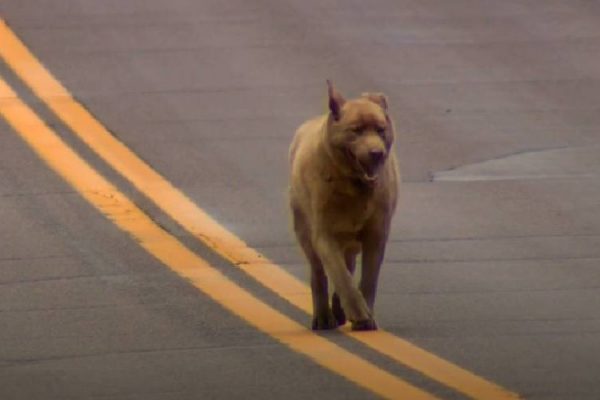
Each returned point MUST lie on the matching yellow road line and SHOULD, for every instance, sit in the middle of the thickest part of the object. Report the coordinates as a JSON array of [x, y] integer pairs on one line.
[[127, 216], [185, 212]]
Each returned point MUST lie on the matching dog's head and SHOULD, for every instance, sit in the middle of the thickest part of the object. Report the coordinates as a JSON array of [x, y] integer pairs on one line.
[[360, 132]]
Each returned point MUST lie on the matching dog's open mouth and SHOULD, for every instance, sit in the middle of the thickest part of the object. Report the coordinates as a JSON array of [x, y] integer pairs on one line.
[[368, 171]]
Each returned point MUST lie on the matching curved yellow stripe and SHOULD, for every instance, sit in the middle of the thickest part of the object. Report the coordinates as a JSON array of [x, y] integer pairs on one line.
[[185, 212], [166, 248]]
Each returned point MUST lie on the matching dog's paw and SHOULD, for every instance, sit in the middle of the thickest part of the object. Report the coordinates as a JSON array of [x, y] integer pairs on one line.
[[338, 311], [364, 325], [324, 322]]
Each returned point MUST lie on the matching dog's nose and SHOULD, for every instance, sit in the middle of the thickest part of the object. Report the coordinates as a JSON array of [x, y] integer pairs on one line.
[[376, 155]]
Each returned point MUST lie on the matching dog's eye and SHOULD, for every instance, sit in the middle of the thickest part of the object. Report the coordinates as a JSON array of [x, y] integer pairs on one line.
[[357, 130], [380, 131]]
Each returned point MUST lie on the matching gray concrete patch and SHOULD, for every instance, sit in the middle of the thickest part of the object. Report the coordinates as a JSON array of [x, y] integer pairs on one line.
[[578, 162]]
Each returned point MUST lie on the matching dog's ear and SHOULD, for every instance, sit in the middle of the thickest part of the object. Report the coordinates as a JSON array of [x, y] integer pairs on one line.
[[336, 101], [377, 98]]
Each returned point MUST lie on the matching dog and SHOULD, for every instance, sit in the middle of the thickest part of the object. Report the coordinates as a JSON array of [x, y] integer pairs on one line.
[[344, 182]]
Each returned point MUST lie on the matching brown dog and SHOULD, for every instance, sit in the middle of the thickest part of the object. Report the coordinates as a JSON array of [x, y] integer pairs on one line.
[[344, 184]]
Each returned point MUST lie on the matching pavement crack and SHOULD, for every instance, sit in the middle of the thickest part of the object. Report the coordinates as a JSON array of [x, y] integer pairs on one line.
[[491, 259], [32, 258], [8, 363], [38, 194], [491, 238]]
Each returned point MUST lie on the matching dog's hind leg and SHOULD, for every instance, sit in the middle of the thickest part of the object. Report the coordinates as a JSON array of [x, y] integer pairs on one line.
[[322, 316], [373, 252]]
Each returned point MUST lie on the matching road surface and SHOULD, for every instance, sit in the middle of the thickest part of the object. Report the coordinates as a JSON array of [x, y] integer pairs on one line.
[[145, 245]]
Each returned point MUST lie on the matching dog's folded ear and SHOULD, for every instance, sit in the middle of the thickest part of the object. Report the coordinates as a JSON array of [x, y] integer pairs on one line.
[[336, 101], [377, 98]]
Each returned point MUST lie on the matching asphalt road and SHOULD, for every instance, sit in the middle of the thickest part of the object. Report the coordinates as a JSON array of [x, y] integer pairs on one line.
[[494, 257]]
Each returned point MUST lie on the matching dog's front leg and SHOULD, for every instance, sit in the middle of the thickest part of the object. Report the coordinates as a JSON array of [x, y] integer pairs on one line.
[[331, 254], [323, 318]]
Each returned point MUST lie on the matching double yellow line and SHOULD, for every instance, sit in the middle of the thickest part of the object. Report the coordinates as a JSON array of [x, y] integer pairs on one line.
[[128, 217]]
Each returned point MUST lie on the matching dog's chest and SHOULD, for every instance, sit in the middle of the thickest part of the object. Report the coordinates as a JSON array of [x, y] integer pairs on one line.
[[348, 214]]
